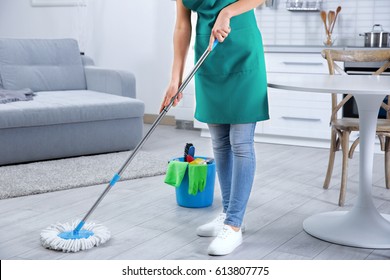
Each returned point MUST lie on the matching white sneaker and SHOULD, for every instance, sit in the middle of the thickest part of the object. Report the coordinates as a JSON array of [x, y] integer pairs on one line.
[[227, 240], [212, 228]]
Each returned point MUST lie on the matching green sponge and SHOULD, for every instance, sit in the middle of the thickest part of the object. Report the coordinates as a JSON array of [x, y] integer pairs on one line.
[[175, 172]]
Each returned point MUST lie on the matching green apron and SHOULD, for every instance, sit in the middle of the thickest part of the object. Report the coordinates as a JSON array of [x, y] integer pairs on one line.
[[231, 85]]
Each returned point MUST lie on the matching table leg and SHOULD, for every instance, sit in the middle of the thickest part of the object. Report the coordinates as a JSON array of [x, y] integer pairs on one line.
[[363, 226]]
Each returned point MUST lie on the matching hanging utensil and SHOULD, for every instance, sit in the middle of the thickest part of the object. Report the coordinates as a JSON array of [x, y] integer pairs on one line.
[[335, 18], [331, 19], [323, 17]]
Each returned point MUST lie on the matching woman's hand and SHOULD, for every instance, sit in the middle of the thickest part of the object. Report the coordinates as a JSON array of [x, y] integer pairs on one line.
[[170, 93], [221, 29]]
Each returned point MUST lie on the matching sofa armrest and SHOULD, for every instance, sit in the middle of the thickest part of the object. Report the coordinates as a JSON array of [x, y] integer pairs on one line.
[[110, 81], [87, 61]]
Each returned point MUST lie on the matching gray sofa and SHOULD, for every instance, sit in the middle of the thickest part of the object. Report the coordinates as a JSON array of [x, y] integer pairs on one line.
[[78, 109]]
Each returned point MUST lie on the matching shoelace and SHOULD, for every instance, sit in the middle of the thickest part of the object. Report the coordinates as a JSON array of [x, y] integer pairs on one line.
[[221, 218], [224, 233]]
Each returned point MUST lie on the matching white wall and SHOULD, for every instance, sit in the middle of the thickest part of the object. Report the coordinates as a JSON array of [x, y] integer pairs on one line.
[[18, 19], [136, 35], [281, 27]]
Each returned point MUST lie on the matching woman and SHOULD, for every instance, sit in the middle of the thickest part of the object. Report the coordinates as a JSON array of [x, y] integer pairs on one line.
[[231, 96]]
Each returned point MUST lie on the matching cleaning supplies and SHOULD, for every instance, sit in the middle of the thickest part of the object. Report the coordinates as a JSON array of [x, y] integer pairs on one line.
[[203, 198], [189, 158], [197, 175], [197, 171], [197, 161], [189, 152], [189, 149], [175, 172]]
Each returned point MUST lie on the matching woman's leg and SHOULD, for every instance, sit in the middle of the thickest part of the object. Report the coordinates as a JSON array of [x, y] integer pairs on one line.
[[220, 136], [239, 174], [243, 171]]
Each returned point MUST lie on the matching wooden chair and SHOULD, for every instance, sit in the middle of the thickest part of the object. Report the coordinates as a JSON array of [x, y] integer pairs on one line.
[[341, 128]]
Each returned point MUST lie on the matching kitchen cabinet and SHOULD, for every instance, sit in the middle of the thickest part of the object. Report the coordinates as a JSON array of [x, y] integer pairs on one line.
[[297, 117]]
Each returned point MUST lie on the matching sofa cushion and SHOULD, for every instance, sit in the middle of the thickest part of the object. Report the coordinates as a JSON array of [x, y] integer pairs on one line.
[[59, 107], [41, 64]]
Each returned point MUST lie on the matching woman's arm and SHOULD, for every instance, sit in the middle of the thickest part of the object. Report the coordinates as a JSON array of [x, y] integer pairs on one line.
[[221, 27], [181, 42], [240, 7]]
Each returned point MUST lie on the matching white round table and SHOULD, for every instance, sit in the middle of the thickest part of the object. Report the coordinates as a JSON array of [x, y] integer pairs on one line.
[[363, 226]]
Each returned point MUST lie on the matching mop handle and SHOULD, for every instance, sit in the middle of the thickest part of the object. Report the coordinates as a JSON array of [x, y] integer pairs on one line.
[[165, 110]]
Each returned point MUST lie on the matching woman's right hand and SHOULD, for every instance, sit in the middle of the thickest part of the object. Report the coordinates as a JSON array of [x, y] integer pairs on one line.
[[221, 29], [169, 94]]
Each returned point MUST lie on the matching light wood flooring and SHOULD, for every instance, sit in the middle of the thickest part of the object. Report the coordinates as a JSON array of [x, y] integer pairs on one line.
[[146, 222]]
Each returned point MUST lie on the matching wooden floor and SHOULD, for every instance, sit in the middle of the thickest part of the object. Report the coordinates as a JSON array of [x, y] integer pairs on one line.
[[146, 222]]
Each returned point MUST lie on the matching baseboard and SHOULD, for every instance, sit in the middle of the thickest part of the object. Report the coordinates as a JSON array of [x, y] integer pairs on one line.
[[185, 124], [167, 120], [171, 120]]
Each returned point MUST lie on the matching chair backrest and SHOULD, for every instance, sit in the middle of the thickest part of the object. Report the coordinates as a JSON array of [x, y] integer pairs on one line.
[[333, 56], [41, 64]]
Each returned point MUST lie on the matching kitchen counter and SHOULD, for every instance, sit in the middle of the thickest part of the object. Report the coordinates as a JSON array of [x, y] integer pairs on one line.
[[298, 48], [307, 48]]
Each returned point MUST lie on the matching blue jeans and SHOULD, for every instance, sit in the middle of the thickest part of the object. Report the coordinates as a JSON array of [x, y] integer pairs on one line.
[[236, 163]]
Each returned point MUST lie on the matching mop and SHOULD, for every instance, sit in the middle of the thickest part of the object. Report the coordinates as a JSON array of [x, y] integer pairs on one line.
[[80, 235]]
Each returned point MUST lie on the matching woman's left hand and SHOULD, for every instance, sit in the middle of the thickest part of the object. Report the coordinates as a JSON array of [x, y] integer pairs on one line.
[[220, 30]]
